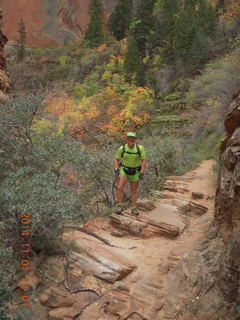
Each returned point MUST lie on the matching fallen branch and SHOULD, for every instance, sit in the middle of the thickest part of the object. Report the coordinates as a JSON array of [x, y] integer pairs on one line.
[[138, 314], [93, 234], [66, 284]]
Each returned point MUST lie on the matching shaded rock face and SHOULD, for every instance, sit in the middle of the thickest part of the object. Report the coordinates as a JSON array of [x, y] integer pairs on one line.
[[50, 22], [5, 82], [205, 285]]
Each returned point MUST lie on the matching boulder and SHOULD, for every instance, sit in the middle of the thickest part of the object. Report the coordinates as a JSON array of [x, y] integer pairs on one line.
[[232, 118], [5, 82]]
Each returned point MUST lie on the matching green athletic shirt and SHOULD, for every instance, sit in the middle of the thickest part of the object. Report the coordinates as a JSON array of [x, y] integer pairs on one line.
[[131, 160]]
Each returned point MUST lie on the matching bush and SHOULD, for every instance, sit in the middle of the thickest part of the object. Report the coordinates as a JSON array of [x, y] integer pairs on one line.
[[166, 156], [37, 193], [218, 81], [6, 292]]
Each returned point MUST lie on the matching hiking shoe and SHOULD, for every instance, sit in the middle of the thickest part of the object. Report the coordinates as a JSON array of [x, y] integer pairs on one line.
[[135, 211], [119, 209]]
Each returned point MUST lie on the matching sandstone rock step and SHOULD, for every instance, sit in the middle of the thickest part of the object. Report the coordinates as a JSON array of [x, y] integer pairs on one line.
[[162, 221], [102, 261], [176, 189], [186, 207]]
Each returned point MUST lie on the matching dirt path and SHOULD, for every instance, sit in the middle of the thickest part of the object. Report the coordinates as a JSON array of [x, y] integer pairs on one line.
[[138, 276], [149, 252]]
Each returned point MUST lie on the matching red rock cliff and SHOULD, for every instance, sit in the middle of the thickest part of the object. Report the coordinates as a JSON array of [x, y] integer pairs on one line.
[[49, 22], [5, 82]]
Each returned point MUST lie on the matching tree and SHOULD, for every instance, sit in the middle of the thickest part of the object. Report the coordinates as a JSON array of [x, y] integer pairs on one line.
[[143, 25], [94, 34], [221, 5], [165, 25], [183, 32], [120, 19], [132, 61], [22, 40]]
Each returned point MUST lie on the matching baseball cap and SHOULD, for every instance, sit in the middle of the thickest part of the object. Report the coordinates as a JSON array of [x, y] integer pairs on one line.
[[132, 134]]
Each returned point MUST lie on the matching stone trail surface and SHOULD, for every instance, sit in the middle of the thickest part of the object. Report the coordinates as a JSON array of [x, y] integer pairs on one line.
[[132, 282]]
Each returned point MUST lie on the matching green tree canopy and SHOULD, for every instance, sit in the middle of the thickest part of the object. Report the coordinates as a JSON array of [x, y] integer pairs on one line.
[[120, 19], [143, 25], [132, 61], [184, 31], [94, 34], [21, 40]]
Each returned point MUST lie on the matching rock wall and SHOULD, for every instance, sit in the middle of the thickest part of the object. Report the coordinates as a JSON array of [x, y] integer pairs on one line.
[[205, 285], [50, 22], [5, 82]]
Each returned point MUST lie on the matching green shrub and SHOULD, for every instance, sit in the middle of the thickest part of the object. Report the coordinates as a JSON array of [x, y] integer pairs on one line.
[[48, 203], [218, 81], [207, 144], [166, 156], [6, 291]]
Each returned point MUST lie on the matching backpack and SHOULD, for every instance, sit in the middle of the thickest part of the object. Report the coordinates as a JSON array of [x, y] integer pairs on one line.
[[138, 150]]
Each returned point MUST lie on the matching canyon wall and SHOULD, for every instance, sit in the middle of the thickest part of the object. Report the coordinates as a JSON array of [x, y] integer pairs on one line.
[[49, 22], [205, 285], [5, 82]]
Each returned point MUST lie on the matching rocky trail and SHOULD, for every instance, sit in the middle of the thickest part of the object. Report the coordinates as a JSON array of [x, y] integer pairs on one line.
[[128, 280]]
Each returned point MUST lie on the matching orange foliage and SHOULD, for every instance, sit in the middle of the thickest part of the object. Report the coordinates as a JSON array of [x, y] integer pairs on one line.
[[111, 110], [101, 48], [107, 112], [58, 103], [231, 10]]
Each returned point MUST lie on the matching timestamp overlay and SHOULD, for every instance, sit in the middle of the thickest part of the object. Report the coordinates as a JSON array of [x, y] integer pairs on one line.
[[25, 257]]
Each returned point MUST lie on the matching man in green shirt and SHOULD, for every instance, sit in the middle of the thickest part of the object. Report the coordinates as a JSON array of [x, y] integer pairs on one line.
[[129, 165]]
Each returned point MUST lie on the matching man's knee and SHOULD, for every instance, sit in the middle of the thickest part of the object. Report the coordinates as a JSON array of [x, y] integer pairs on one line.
[[134, 187], [120, 187]]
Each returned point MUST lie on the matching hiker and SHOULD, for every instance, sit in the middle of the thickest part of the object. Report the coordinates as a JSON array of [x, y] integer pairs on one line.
[[129, 165]]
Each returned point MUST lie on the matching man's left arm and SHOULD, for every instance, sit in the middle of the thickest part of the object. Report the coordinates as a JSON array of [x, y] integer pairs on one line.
[[143, 160], [143, 165]]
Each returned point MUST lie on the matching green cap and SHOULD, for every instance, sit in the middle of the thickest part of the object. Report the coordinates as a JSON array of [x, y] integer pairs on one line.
[[132, 134]]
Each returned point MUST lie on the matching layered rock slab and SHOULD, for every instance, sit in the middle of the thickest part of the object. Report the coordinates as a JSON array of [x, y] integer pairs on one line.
[[102, 261], [163, 221]]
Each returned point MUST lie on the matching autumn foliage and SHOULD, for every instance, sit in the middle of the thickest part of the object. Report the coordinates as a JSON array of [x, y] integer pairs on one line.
[[106, 112]]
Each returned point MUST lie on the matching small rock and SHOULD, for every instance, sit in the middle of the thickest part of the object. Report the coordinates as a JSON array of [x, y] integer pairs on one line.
[[210, 197], [146, 205], [197, 195], [118, 233], [55, 297], [120, 286], [161, 194], [164, 267], [173, 257]]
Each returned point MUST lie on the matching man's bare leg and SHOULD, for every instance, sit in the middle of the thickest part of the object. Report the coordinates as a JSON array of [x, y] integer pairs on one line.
[[120, 187], [133, 188]]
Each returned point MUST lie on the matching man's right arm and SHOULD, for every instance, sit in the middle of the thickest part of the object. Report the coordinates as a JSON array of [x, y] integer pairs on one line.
[[116, 163]]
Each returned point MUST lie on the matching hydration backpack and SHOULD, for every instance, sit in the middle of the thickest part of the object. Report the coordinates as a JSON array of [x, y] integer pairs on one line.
[[138, 150]]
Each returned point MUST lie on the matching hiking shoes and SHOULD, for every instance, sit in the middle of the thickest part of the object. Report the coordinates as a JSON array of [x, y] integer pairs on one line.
[[135, 211], [119, 209]]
